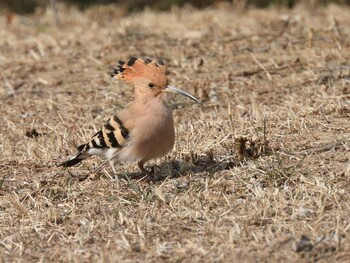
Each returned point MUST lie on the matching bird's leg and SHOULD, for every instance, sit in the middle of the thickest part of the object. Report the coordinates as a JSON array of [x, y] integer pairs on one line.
[[140, 164], [100, 166], [149, 173], [111, 163], [143, 169]]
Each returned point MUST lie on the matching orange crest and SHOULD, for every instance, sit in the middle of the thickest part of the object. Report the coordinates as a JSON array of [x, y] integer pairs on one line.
[[137, 68]]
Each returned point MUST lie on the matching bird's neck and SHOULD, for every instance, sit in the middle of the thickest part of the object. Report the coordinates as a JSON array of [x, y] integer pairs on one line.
[[150, 100], [150, 106]]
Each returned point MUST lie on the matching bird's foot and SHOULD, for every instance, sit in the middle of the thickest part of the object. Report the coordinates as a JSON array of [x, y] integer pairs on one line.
[[149, 173]]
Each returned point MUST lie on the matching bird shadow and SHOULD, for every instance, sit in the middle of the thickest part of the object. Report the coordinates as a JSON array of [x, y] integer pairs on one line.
[[244, 148], [193, 163], [169, 169], [178, 168]]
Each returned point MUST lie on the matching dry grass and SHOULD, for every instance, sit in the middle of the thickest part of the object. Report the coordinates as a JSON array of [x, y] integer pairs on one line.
[[260, 172]]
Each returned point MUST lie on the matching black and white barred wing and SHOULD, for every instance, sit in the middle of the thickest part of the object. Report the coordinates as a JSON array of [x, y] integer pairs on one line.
[[105, 143]]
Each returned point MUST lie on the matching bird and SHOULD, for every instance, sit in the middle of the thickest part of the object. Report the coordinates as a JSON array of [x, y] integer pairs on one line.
[[144, 129]]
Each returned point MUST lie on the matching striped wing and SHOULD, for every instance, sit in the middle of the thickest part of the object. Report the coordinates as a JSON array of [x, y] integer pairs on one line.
[[112, 135]]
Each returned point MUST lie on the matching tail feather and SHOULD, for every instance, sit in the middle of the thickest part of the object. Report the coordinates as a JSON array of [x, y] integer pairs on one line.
[[81, 147], [75, 159]]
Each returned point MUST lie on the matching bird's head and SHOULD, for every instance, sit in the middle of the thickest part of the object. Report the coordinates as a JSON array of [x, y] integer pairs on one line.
[[148, 77]]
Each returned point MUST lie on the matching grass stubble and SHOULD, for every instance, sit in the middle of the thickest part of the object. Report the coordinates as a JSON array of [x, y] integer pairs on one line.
[[259, 173]]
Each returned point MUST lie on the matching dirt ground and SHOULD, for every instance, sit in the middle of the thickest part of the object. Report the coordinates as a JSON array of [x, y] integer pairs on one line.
[[259, 173]]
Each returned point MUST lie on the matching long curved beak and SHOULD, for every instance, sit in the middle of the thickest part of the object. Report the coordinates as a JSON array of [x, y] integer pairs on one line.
[[172, 89]]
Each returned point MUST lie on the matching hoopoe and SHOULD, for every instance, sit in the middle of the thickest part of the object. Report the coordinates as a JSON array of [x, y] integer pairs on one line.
[[144, 130]]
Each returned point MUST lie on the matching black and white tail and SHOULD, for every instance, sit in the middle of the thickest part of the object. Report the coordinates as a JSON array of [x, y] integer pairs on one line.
[[82, 155], [112, 135]]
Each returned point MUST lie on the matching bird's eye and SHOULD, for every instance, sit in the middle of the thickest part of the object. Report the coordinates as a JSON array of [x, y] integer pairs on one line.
[[150, 85]]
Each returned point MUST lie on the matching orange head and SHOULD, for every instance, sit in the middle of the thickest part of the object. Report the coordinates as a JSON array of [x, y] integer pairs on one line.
[[148, 77]]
